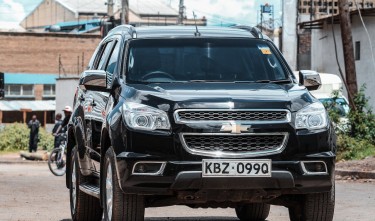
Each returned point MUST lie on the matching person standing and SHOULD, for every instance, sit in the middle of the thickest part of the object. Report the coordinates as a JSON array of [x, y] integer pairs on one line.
[[33, 125], [68, 113], [58, 122]]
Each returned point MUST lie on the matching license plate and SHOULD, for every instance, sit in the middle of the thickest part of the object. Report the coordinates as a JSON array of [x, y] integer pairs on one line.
[[236, 168]]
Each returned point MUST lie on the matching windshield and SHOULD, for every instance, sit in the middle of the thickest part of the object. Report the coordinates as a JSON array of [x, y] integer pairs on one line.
[[200, 59]]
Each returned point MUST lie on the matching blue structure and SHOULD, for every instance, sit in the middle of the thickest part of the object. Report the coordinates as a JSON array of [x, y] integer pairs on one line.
[[77, 27], [21, 78], [28, 94]]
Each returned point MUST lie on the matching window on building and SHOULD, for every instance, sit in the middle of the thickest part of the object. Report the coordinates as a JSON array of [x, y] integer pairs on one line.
[[14, 89], [19, 90], [49, 89], [357, 50], [27, 89]]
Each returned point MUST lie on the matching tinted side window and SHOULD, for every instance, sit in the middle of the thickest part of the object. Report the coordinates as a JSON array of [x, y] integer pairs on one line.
[[104, 56], [113, 58], [94, 57]]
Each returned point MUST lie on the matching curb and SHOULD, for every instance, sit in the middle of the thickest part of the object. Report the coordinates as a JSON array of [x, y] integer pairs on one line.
[[21, 161], [357, 174]]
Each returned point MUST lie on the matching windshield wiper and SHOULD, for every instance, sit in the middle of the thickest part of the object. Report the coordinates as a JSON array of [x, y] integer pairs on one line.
[[275, 81], [209, 81]]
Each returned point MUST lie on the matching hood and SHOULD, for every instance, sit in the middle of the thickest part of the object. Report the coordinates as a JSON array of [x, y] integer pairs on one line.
[[172, 96]]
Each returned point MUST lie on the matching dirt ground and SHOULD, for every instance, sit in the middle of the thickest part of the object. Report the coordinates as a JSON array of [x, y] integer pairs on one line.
[[367, 165]]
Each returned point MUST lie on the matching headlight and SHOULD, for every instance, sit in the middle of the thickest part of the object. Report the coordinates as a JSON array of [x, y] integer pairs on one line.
[[143, 117], [313, 116]]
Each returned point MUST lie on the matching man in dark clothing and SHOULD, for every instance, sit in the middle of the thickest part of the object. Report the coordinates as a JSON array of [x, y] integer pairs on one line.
[[58, 122], [67, 112], [34, 125]]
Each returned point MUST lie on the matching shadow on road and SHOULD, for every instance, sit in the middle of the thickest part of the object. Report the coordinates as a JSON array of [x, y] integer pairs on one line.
[[211, 218]]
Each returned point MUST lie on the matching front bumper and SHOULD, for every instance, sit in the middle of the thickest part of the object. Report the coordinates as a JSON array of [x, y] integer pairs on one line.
[[288, 177]]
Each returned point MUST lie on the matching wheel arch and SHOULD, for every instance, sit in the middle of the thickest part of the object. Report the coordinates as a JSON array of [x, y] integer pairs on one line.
[[105, 144], [71, 143]]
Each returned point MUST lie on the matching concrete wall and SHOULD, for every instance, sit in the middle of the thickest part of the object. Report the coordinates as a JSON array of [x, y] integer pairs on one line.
[[65, 89], [289, 34], [323, 53], [39, 52]]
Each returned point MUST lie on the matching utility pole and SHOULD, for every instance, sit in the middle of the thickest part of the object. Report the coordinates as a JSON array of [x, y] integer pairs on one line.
[[109, 8], [181, 13], [347, 43], [124, 11], [261, 18]]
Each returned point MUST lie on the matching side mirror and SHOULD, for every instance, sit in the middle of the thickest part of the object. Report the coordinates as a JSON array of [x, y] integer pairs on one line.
[[310, 79], [95, 80]]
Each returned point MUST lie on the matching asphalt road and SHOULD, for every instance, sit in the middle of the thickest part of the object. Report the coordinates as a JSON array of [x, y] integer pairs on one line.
[[31, 192]]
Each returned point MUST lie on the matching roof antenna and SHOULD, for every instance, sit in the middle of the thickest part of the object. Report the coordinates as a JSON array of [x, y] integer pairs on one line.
[[197, 33]]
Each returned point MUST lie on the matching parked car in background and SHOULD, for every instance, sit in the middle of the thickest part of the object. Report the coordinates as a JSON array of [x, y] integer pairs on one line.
[[203, 117], [339, 103]]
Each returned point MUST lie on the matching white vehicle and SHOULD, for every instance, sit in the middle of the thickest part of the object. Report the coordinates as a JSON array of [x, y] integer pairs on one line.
[[330, 83]]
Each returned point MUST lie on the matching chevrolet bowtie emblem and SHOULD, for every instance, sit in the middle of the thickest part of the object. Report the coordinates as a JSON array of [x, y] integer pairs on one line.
[[235, 128]]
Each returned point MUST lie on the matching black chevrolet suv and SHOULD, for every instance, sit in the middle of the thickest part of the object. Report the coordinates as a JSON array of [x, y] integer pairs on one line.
[[203, 117]]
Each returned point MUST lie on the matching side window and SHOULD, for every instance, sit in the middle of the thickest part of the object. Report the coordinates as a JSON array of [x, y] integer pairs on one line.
[[104, 56], [113, 58], [94, 57]]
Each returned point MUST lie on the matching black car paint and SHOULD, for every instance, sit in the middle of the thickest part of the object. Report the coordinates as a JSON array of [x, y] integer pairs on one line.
[[131, 146]]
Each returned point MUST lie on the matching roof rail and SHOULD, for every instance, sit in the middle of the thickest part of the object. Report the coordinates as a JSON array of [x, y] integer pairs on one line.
[[128, 28], [253, 30]]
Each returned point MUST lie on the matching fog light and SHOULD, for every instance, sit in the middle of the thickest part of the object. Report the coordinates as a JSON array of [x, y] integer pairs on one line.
[[148, 168], [140, 168], [314, 167]]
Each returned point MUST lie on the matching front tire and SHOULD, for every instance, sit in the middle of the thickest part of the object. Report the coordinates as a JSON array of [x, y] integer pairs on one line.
[[315, 207], [117, 205], [82, 206], [57, 161], [253, 211]]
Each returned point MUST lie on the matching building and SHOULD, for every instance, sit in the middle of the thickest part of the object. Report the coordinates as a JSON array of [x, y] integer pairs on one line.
[[141, 12], [321, 8], [28, 94], [323, 56], [28, 52]]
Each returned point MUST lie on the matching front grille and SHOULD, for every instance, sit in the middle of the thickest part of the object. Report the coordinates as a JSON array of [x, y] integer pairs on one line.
[[234, 145], [231, 115]]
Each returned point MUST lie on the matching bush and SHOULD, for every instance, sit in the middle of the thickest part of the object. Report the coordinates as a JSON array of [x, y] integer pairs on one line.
[[349, 148], [361, 119], [16, 137], [356, 139]]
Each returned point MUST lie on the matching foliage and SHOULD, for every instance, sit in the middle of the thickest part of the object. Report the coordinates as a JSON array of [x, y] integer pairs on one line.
[[361, 119], [16, 137], [333, 111], [349, 148], [356, 139]]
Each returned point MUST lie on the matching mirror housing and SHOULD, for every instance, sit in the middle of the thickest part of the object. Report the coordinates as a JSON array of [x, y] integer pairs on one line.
[[95, 80], [310, 79]]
